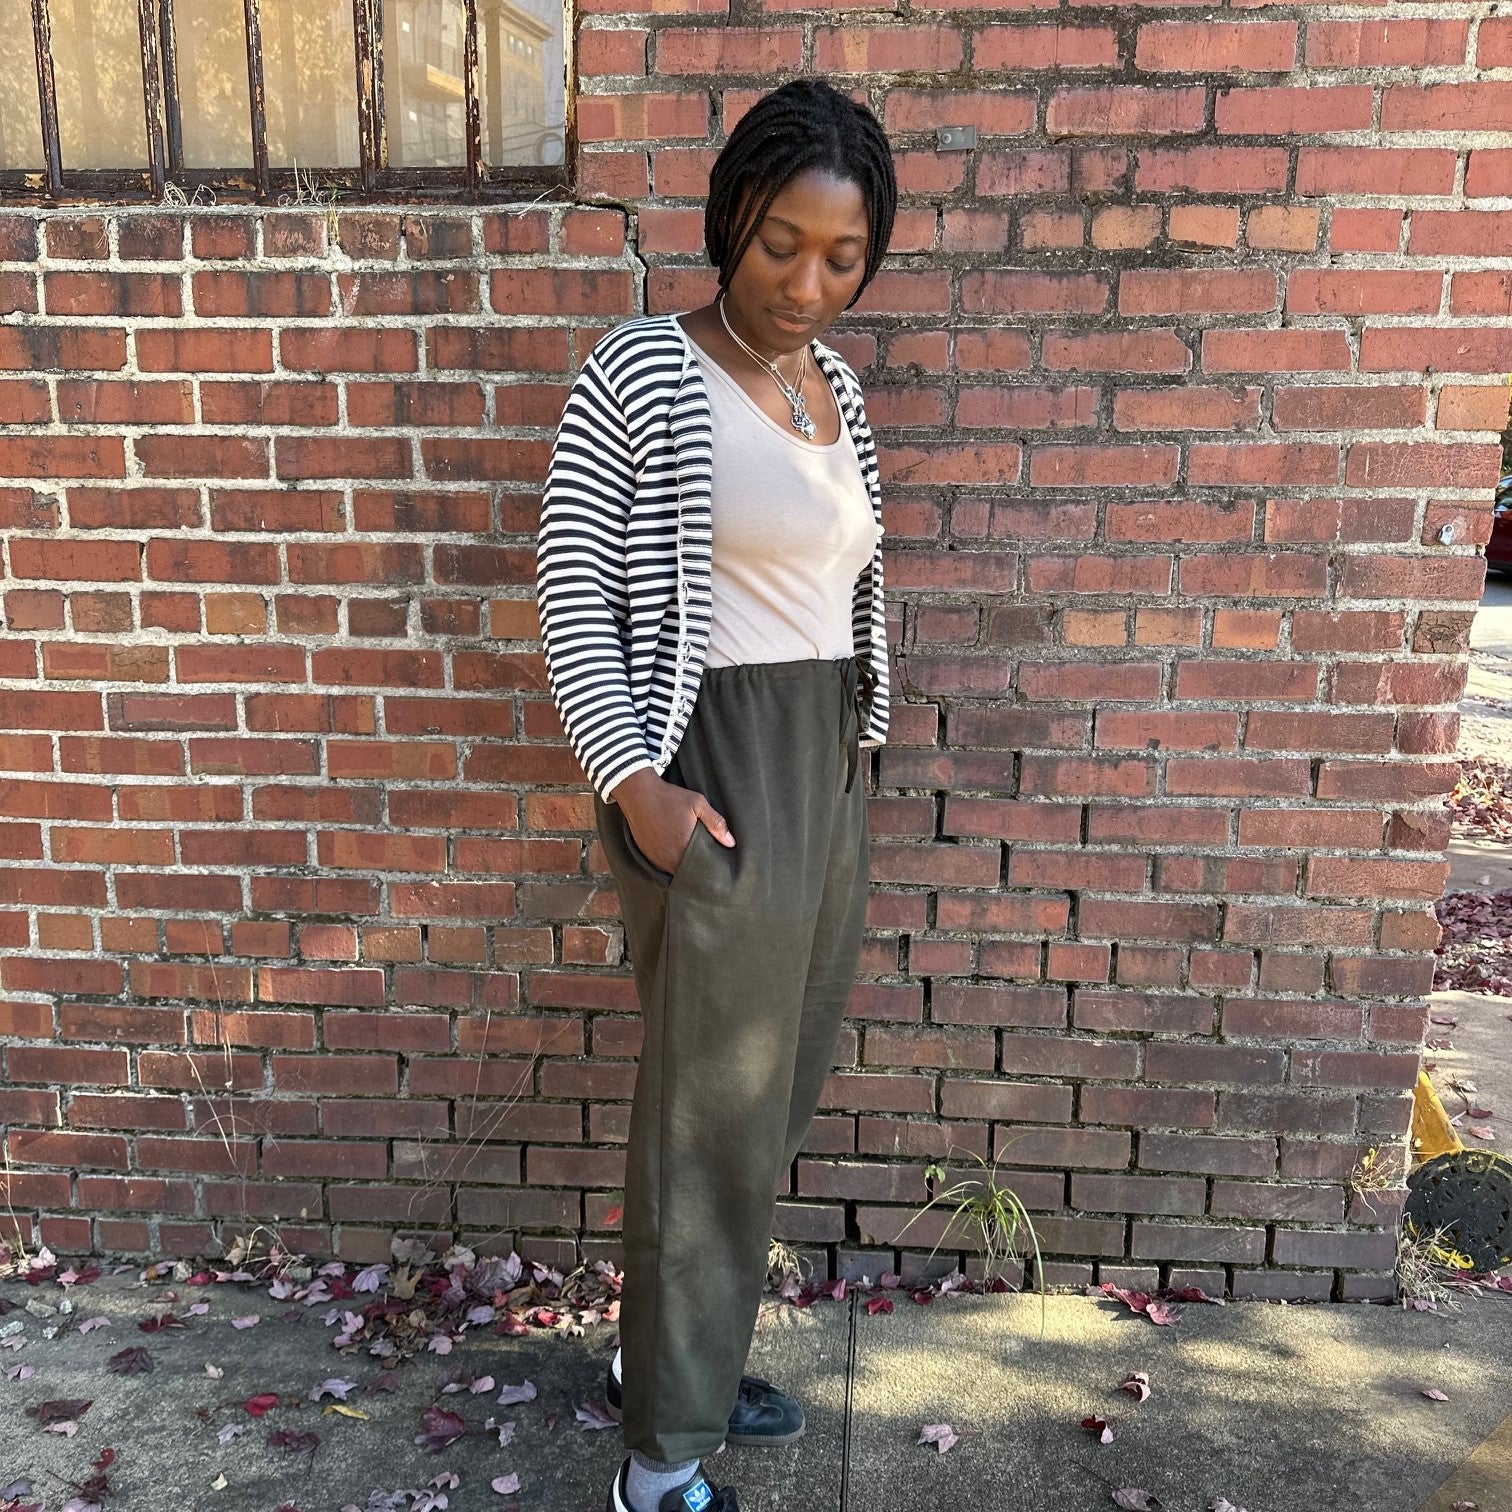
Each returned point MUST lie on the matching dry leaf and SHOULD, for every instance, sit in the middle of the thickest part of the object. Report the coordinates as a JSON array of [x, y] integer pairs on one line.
[[941, 1435]]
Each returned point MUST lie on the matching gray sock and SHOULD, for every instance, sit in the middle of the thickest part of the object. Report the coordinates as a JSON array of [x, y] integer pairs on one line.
[[648, 1480]]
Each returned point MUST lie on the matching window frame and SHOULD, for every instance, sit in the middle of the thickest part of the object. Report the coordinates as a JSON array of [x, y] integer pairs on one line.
[[372, 181]]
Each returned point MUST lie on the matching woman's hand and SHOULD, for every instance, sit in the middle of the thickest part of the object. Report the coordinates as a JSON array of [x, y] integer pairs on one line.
[[663, 816]]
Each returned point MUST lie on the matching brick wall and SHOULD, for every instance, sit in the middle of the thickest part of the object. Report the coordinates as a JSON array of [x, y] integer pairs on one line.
[[1178, 376]]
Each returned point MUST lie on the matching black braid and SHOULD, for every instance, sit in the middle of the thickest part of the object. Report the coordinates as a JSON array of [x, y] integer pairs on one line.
[[805, 123]]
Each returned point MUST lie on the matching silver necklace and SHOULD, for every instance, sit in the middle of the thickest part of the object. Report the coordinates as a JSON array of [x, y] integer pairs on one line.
[[801, 419]]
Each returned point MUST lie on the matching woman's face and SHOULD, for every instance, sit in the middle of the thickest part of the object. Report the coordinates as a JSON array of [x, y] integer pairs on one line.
[[806, 259]]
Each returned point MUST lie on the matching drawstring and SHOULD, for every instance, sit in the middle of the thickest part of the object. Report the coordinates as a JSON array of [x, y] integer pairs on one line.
[[850, 715]]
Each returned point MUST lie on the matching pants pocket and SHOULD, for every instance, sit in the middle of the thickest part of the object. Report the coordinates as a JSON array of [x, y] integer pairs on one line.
[[666, 879]]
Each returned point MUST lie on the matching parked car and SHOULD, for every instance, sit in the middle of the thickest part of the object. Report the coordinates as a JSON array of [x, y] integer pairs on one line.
[[1499, 547]]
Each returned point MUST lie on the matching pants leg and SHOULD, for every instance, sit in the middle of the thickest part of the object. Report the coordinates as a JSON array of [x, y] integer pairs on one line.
[[744, 960]]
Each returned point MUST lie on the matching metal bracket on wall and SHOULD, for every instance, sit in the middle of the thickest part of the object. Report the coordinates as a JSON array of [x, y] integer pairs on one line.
[[954, 138]]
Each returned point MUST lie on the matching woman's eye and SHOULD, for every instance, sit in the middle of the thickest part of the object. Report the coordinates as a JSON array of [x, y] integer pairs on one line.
[[782, 256]]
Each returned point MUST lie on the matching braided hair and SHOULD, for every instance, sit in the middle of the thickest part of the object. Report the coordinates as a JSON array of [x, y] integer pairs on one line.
[[805, 123]]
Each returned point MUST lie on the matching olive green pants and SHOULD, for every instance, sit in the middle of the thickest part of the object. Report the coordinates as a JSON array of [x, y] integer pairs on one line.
[[744, 960]]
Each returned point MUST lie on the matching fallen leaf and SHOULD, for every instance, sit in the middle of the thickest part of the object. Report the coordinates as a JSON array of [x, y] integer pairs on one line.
[[941, 1435], [591, 1415], [250, 1321], [134, 1361], [257, 1405], [525, 1392], [294, 1441], [1099, 1427], [219, 1483], [334, 1388], [345, 1411], [62, 1410], [1138, 1385], [160, 1322], [506, 1485], [438, 1428], [1435, 1393], [370, 1278], [89, 1325], [875, 1305], [214, 1372], [229, 1432], [1137, 1501]]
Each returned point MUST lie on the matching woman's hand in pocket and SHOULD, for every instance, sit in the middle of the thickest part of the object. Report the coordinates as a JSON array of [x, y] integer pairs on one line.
[[662, 817]]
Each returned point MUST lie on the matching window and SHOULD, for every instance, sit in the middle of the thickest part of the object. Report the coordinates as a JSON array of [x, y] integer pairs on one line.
[[255, 99]]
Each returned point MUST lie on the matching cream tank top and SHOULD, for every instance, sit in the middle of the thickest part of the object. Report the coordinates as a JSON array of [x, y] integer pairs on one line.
[[792, 530]]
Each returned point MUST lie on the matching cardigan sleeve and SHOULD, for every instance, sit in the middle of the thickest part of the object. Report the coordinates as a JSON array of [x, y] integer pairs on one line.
[[582, 589]]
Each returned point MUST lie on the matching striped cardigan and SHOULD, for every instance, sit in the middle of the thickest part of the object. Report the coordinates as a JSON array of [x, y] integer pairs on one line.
[[623, 552]]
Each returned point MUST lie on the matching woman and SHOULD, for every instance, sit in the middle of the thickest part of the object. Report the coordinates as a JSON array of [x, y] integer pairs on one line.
[[709, 580]]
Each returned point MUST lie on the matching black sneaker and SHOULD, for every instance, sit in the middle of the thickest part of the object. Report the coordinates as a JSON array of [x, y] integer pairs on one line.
[[696, 1494], [762, 1414]]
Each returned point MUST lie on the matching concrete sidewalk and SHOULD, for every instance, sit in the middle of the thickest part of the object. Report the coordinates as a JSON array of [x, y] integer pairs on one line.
[[1278, 1408]]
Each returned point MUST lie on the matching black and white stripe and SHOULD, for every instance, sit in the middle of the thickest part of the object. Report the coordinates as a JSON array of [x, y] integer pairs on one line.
[[623, 552]]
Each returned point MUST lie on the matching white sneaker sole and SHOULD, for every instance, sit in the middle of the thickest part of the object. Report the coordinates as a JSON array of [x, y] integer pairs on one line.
[[617, 1502]]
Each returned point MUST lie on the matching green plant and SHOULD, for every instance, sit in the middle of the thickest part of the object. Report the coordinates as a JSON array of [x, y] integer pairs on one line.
[[993, 1213]]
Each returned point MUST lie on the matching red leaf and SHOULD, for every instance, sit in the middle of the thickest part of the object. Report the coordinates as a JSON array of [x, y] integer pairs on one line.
[[1098, 1426], [59, 1411], [613, 1217], [161, 1321], [261, 1403], [438, 1428], [875, 1305]]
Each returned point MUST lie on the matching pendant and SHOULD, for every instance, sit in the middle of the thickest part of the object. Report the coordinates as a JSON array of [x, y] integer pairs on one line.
[[801, 420]]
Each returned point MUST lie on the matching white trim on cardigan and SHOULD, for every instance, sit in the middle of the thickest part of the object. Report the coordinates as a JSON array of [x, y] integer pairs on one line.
[[624, 549]]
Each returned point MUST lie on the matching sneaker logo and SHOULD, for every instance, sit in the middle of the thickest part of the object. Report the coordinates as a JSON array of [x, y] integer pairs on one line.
[[698, 1496]]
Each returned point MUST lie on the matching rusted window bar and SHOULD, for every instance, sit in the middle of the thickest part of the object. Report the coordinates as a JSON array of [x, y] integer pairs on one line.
[[47, 96], [152, 93], [470, 94], [258, 98], [168, 45], [363, 33], [380, 109]]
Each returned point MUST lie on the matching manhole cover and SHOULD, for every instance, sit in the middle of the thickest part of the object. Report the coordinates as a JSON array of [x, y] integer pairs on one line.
[[1468, 1194]]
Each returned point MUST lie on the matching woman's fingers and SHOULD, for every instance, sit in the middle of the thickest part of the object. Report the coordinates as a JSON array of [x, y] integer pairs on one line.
[[715, 824]]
